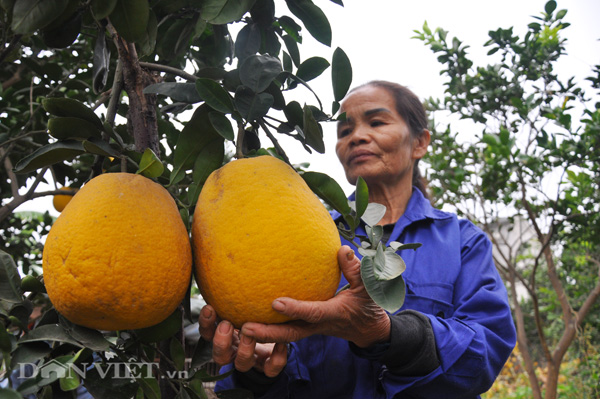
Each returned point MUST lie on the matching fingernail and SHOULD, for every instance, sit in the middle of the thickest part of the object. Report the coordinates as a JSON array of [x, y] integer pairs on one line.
[[225, 327], [278, 305], [207, 313], [350, 255], [246, 340]]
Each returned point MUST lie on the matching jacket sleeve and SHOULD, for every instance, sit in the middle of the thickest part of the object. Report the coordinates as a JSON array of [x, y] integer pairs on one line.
[[473, 342]]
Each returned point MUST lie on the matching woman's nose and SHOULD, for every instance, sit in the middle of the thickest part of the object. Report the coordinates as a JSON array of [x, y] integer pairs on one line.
[[360, 135]]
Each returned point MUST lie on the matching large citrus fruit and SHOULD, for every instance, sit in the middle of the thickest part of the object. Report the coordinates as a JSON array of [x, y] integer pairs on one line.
[[60, 201], [260, 233], [118, 257]]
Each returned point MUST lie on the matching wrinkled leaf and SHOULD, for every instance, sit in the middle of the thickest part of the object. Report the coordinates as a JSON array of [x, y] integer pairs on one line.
[[248, 41], [387, 264], [258, 71], [396, 246], [214, 95], [373, 214], [341, 74], [312, 68], [49, 155], [388, 294], [328, 190], [150, 165], [251, 105], [10, 281]]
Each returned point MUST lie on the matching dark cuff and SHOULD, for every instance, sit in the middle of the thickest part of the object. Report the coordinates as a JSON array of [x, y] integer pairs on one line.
[[255, 381], [411, 351]]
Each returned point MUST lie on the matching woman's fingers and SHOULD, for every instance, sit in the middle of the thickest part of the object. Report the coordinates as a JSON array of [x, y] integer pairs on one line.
[[277, 361], [245, 358], [350, 266], [223, 350], [207, 322]]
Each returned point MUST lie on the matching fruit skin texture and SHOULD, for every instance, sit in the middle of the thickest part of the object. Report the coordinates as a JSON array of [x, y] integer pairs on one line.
[[60, 201], [118, 257], [260, 233]]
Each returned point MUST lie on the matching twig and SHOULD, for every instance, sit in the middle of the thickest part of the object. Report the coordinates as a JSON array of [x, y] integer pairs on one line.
[[168, 69], [239, 153]]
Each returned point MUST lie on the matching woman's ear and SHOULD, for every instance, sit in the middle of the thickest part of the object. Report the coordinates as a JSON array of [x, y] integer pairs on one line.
[[420, 144]]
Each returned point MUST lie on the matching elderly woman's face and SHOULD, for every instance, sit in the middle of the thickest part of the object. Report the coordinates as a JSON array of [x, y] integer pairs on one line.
[[374, 142]]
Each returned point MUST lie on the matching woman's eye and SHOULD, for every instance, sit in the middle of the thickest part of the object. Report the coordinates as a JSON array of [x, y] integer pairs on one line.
[[343, 132], [376, 123]]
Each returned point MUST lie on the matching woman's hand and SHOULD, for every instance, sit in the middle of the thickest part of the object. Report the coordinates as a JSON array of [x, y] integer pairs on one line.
[[351, 314], [229, 346]]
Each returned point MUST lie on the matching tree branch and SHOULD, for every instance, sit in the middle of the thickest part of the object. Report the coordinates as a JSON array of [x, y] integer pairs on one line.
[[167, 69]]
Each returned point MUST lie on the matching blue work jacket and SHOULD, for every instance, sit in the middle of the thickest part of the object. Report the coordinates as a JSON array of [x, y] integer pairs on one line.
[[453, 281]]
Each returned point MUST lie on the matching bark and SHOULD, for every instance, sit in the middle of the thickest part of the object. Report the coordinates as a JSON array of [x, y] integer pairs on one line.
[[141, 118]]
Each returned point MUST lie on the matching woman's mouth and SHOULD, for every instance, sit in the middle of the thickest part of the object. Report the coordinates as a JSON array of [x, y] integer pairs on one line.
[[360, 156]]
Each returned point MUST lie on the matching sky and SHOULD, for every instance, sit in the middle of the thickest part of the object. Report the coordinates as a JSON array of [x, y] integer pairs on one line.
[[377, 37]]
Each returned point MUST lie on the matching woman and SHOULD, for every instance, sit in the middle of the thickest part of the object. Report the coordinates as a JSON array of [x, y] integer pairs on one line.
[[454, 332]]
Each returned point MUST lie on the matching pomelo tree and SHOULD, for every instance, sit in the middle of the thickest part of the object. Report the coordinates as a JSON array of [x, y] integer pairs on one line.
[[526, 169], [168, 89]]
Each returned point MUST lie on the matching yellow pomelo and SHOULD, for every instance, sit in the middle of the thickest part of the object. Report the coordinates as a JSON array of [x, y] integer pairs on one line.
[[60, 201], [260, 233], [118, 257]]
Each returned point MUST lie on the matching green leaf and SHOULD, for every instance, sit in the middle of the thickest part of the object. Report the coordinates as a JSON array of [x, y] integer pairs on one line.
[[103, 8], [258, 71], [196, 134], [375, 234], [161, 331], [64, 34], [130, 18], [7, 393], [49, 332], [69, 107], [10, 281], [180, 92], [100, 147], [251, 105], [31, 283], [313, 134], [150, 165], [29, 353], [341, 74], [220, 12], [247, 42], [312, 68], [328, 190], [292, 47], [388, 294], [313, 19], [362, 197], [550, 6], [65, 128], [214, 95], [49, 155], [70, 382], [210, 159], [177, 353], [222, 125], [100, 384], [31, 15]]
